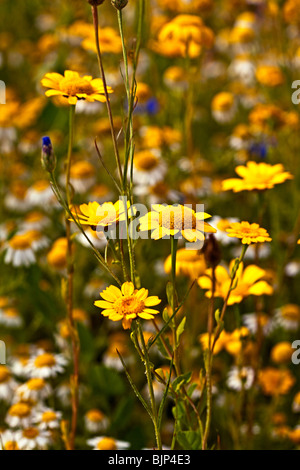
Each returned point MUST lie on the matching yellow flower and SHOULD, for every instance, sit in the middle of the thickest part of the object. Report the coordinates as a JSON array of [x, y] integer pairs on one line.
[[256, 176], [73, 87], [127, 304], [167, 220], [183, 36], [250, 282], [275, 382], [269, 75], [109, 40], [282, 352], [248, 233], [100, 215], [188, 263]]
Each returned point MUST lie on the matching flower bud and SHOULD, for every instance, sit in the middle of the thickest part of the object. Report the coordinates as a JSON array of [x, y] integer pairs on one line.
[[119, 4], [211, 251], [48, 158], [95, 3]]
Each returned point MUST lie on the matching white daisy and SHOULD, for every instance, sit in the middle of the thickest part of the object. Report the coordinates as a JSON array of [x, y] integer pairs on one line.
[[107, 443], [33, 438], [19, 250], [95, 421], [7, 384], [240, 378], [9, 440], [10, 317], [45, 364], [19, 415], [148, 167], [46, 418], [34, 389]]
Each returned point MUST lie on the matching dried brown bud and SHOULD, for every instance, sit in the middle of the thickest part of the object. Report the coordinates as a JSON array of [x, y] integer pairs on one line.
[[211, 251], [95, 3], [119, 4]]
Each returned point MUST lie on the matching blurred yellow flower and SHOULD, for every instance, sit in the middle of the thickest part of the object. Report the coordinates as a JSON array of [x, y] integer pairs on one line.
[[256, 176], [250, 282], [269, 75], [248, 233], [184, 36], [109, 41], [73, 87], [282, 352], [275, 382], [189, 263], [127, 304]]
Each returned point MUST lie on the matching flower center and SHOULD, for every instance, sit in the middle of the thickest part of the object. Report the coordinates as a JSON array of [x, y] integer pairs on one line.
[[95, 415], [177, 219], [30, 433], [4, 374], [48, 416], [74, 86], [11, 445], [145, 161], [22, 410], [107, 443], [45, 360], [128, 305], [20, 242], [35, 384]]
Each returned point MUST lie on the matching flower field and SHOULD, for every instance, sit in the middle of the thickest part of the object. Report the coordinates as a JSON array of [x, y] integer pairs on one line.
[[150, 225]]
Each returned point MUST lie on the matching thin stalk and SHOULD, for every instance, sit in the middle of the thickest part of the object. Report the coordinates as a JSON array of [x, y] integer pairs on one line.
[[150, 387], [69, 298], [209, 362], [110, 116]]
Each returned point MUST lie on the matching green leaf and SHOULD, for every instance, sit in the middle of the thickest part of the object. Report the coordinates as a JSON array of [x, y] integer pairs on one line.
[[189, 440], [180, 329], [181, 380]]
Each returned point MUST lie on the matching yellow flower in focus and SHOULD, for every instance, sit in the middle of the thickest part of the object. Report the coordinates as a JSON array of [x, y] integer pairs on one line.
[[256, 176], [269, 75], [189, 263], [73, 87], [100, 215], [275, 382], [248, 233], [127, 304], [167, 220], [250, 282]]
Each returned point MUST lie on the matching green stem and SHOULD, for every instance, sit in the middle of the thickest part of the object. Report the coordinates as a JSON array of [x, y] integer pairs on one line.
[[69, 299], [101, 68], [150, 387]]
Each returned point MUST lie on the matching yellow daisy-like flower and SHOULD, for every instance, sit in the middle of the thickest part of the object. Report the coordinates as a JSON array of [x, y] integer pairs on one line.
[[248, 233], [175, 220], [73, 87], [256, 176], [250, 282], [100, 215], [127, 304]]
